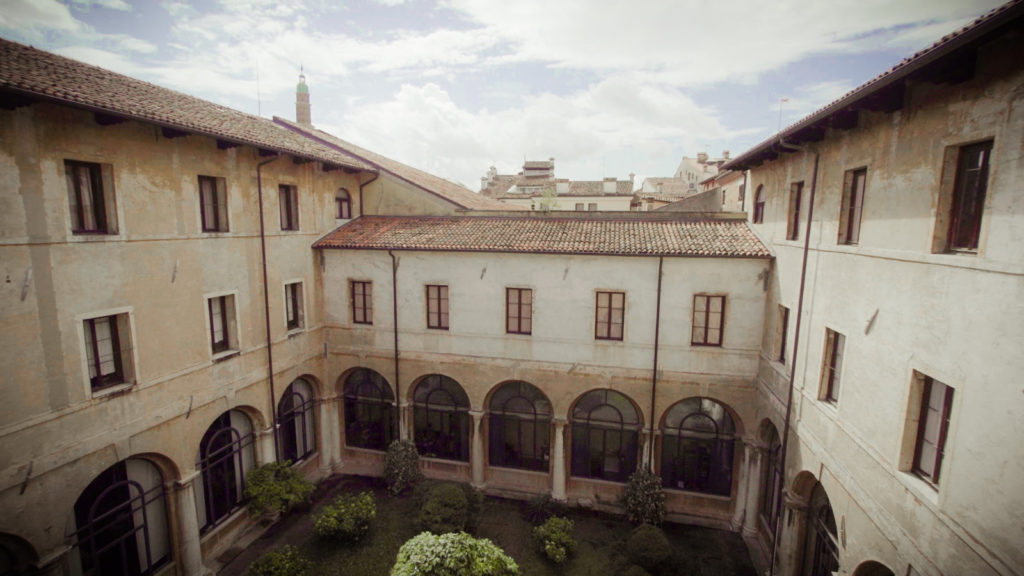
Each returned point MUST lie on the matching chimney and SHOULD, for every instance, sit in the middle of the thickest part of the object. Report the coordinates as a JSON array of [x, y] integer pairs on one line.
[[702, 158], [725, 154], [303, 114]]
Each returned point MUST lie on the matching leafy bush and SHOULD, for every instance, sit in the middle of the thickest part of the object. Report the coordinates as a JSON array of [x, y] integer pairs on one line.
[[276, 487], [555, 538], [284, 562], [644, 499], [538, 509], [457, 554], [445, 510], [648, 546], [401, 467], [347, 518]]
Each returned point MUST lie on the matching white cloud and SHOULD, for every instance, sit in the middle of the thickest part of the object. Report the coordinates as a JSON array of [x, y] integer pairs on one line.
[[30, 18], [391, 2], [808, 98]]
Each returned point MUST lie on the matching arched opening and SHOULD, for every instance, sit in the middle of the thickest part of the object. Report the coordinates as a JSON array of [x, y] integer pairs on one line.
[[519, 427], [121, 522], [17, 556], [605, 436], [872, 568], [697, 447], [369, 410], [821, 547], [441, 418], [759, 204], [771, 475], [226, 454], [342, 204], [296, 434]]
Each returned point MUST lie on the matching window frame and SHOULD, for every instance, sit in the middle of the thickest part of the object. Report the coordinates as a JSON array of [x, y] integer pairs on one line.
[[362, 303], [607, 333], [958, 193], [102, 201], [223, 344], [93, 357], [833, 358], [288, 201], [707, 320], [922, 425], [592, 207], [851, 207], [438, 316], [519, 315], [295, 418], [218, 189], [759, 204], [781, 333], [531, 428], [294, 306], [342, 205], [796, 193], [380, 406], [579, 207]]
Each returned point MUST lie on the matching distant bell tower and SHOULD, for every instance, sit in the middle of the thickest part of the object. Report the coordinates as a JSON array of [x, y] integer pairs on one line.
[[302, 112]]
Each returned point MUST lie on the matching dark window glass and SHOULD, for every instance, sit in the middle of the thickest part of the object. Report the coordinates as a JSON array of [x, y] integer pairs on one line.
[[518, 310], [822, 549], [697, 447], [932, 429], [225, 455], [708, 320], [520, 427], [213, 204], [87, 202], [852, 206], [362, 302], [293, 305], [605, 436], [437, 307], [369, 411], [832, 365], [103, 352], [441, 419], [969, 196], [342, 204], [288, 199], [781, 327], [610, 315], [759, 205], [220, 335], [796, 192], [296, 433]]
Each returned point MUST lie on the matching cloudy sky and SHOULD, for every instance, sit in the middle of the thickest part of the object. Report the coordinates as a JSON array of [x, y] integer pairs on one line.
[[606, 87]]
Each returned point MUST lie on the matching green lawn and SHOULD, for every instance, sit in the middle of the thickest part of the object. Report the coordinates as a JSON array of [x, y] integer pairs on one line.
[[601, 541]]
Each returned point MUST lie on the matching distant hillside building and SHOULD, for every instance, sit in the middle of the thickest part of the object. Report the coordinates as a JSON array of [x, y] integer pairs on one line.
[[536, 188]]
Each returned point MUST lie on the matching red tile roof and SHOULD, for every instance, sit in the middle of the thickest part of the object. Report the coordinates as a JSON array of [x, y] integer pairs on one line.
[[461, 197], [623, 236], [35, 74]]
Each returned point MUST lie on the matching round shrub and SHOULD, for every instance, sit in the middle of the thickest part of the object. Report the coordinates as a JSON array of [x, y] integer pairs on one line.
[[647, 546], [284, 562], [644, 499], [554, 537], [457, 554], [276, 488], [446, 509], [401, 467], [347, 518]]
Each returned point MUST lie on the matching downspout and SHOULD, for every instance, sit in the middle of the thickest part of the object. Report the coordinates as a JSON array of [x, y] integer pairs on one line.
[[266, 303], [796, 347], [394, 312], [654, 372], [363, 185]]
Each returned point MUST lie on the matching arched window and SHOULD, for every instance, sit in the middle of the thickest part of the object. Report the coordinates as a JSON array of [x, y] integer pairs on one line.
[[342, 204], [697, 447], [296, 436], [225, 456], [759, 204], [821, 556], [121, 521], [441, 419], [520, 427], [605, 436], [369, 410], [771, 479]]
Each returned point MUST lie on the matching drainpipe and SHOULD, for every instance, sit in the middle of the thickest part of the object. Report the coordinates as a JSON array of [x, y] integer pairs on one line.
[[266, 302], [796, 344], [394, 311], [363, 185], [654, 372]]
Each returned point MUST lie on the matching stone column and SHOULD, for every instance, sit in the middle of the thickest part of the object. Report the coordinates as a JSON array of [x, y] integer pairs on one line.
[[190, 554], [476, 458], [792, 536], [332, 410], [265, 445], [742, 486], [558, 462], [404, 422], [756, 456], [646, 445]]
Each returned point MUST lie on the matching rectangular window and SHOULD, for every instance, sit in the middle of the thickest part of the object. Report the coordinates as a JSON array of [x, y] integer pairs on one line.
[[213, 204], [781, 327], [832, 365], [437, 307], [592, 206], [362, 302], [708, 320], [969, 191], [579, 206], [852, 205], [932, 429], [342, 205], [518, 310], [288, 197], [108, 350], [796, 191], [294, 311], [91, 197], [610, 315], [221, 310]]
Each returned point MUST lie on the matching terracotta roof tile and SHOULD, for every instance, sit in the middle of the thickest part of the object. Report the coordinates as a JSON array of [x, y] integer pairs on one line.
[[707, 237], [35, 73]]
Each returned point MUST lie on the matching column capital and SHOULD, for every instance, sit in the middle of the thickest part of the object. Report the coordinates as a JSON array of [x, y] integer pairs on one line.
[[560, 421], [476, 414]]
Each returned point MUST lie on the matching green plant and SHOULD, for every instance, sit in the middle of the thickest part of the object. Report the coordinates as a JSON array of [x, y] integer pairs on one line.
[[284, 562], [554, 537], [401, 467], [347, 518], [644, 499], [538, 509], [276, 487], [457, 554], [648, 546], [445, 510]]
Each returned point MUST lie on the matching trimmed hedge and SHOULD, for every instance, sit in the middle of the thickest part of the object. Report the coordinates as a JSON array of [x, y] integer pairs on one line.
[[286, 561], [276, 487], [457, 554], [347, 519], [401, 467], [446, 509], [648, 546]]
